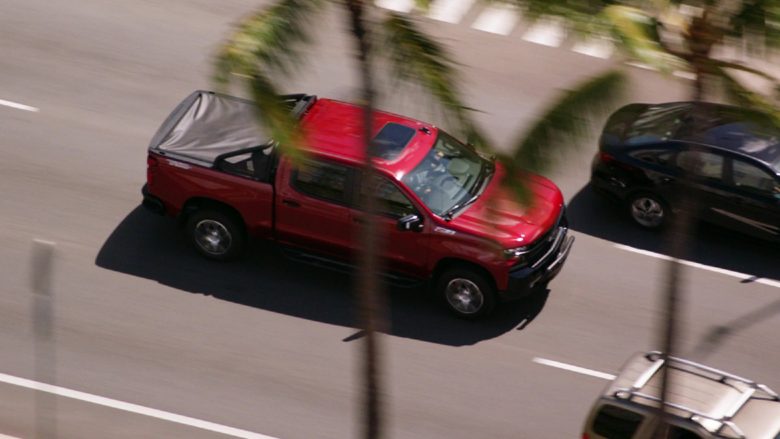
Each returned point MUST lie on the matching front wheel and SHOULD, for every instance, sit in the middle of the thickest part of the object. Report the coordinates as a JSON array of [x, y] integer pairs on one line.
[[648, 210], [215, 235], [466, 293]]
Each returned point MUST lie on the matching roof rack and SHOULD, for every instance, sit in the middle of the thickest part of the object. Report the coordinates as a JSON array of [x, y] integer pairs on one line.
[[714, 424]]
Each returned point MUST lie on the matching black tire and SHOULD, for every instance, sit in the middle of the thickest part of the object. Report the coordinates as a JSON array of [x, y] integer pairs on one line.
[[648, 210], [215, 235], [466, 293]]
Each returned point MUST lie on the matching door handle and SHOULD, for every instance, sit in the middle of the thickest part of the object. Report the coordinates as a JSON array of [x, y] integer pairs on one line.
[[291, 203]]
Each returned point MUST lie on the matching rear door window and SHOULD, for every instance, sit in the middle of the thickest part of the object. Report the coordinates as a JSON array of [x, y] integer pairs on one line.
[[327, 181], [702, 164], [616, 423]]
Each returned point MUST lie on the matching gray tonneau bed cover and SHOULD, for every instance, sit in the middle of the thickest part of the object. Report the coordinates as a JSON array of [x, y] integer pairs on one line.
[[206, 125]]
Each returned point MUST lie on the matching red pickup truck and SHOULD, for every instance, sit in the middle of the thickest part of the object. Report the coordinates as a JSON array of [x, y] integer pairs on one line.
[[445, 218]]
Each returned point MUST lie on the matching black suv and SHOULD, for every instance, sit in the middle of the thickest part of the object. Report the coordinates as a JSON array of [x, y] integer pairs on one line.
[[731, 158]]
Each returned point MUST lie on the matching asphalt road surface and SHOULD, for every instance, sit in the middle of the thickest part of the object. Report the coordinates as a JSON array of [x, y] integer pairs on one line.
[[149, 340]]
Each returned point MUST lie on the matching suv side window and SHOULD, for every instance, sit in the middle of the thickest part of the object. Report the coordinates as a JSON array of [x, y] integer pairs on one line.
[[327, 181], [616, 423], [701, 164], [753, 179], [392, 202]]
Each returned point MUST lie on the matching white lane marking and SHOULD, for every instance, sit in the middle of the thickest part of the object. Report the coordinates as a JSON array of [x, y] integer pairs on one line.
[[546, 32], [450, 11], [133, 408], [736, 274], [403, 6], [18, 106], [573, 368], [599, 48], [497, 18], [640, 65], [684, 75], [5, 436]]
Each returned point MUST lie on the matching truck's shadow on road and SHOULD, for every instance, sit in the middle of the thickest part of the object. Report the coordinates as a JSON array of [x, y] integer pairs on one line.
[[151, 247], [594, 215]]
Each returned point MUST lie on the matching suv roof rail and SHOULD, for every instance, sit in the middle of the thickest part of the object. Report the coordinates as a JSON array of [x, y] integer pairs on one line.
[[716, 424]]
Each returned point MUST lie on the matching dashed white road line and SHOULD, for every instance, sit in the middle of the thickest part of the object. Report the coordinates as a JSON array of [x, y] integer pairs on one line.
[[573, 368], [450, 11], [18, 106], [547, 33], [128, 407], [497, 18], [736, 274], [684, 75]]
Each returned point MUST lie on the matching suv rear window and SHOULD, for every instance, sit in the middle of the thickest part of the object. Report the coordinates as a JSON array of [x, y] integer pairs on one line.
[[616, 423]]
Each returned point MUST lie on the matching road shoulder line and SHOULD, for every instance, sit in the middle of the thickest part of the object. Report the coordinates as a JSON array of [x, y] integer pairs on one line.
[[129, 407], [735, 274]]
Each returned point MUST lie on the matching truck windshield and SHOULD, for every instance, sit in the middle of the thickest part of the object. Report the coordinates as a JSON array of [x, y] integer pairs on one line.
[[449, 177]]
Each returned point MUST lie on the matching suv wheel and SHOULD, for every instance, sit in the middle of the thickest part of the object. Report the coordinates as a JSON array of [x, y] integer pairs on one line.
[[467, 294], [648, 210], [215, 235]]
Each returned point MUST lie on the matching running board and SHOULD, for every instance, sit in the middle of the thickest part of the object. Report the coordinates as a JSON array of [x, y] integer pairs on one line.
[[316, 260]]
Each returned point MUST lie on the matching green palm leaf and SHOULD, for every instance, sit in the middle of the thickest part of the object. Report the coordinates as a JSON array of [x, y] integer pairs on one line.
[[418, 59], [267, 43], [560, 127]]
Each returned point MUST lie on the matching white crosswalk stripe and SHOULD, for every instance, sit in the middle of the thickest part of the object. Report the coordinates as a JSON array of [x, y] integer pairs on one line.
[[599, 48], [546, 32], [498, 19], [403, 6], [450, 11]]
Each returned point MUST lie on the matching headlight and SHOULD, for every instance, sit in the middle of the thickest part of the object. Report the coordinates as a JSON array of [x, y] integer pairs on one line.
[[515, 253]]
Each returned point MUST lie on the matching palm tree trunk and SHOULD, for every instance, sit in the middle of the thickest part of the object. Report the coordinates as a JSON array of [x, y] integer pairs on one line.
[[678, 241], [369, 294]]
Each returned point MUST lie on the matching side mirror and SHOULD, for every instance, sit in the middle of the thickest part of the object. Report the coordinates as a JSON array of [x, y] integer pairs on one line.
[[410, 222]]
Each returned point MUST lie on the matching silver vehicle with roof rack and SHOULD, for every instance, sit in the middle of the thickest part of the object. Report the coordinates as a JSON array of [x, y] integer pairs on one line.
[[703, 403]]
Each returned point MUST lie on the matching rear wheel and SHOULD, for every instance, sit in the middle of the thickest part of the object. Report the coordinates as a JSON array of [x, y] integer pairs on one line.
[[466, 293], [215, 234], [648, 210]]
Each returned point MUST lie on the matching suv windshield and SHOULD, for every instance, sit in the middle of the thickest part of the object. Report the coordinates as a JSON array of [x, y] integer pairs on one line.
[[450, 176]]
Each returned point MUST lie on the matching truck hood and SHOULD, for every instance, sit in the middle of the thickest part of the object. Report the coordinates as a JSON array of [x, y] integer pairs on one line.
[[497, 215]]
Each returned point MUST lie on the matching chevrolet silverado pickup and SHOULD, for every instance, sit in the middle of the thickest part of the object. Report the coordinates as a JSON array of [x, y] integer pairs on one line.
[[444, 215]]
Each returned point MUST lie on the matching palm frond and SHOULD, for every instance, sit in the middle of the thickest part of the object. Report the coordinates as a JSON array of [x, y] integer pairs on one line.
[[761, 17], [276, 118], [580, 16], [418, 59], [636, 31], [268, 41], [741, 67], [568, 119], [745, 98]]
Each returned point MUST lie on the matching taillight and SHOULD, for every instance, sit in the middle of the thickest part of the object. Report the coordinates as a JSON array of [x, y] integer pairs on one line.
[[151, 167], [606, 158], [585, 436]]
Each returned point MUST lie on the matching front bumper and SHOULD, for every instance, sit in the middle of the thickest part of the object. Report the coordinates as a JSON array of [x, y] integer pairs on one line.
[[523, 281]]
